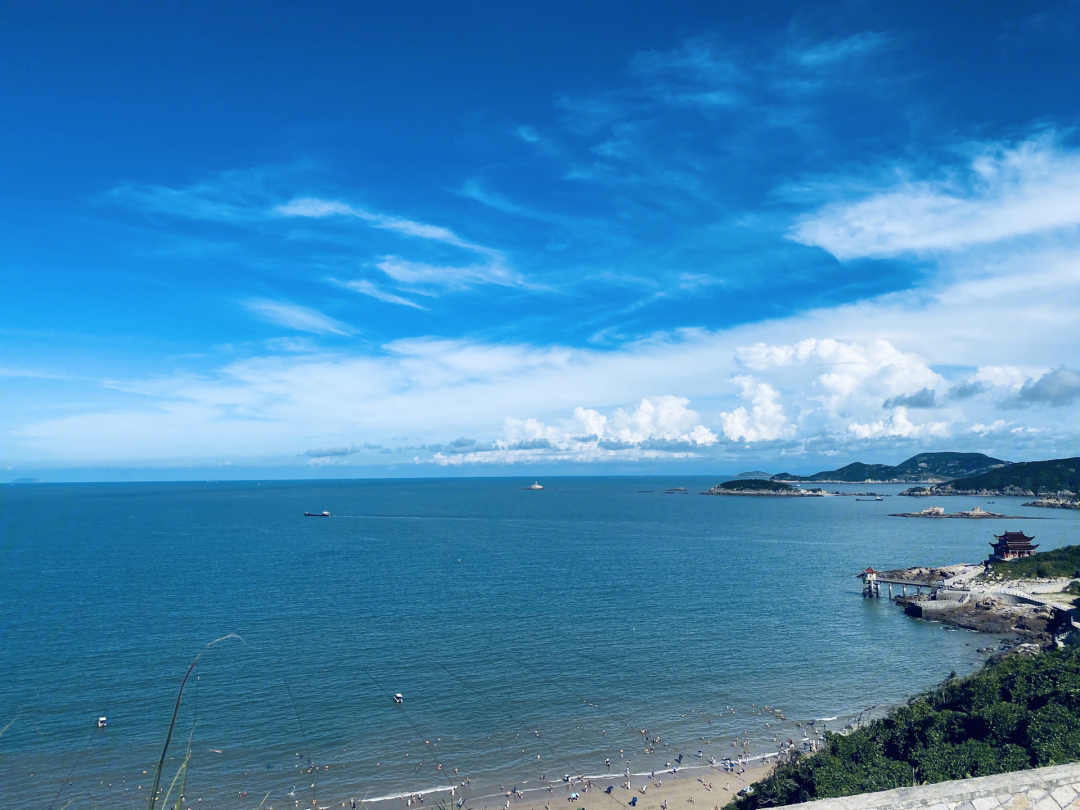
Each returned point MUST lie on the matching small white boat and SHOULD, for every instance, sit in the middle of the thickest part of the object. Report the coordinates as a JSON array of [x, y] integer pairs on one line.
[[102, 722], [398, 699], [536, 485]]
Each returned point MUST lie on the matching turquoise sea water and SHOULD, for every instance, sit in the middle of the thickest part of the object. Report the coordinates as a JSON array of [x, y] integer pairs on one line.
[[517, 624]]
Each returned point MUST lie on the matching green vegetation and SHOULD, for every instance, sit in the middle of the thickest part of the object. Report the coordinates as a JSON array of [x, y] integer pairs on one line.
[[1023, 712], [855, 473], [756, 485], [1040, 477], [917, 468], [1061, 562]]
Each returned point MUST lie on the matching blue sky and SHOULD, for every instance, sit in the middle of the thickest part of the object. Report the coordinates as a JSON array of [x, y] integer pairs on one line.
[[479, 238]]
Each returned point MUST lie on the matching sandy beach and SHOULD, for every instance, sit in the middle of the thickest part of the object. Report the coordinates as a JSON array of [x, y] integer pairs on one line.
[[706, 786]]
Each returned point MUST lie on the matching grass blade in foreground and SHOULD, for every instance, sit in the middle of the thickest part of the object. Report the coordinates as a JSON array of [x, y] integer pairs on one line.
[[176, 710]]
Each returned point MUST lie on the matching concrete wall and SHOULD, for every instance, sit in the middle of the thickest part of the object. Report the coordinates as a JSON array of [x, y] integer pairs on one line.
[[1055, 788], [926, 610]]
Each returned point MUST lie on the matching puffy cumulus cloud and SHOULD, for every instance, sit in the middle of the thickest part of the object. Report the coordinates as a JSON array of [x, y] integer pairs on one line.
[[836, 377], [997, 426], [898, 425], [1055, 388], [659, 427], [1012, 377], [815, 392], [765, 421], [1003, 192]]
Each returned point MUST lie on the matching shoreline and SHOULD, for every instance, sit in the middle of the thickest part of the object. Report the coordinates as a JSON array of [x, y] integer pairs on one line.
[[689, 783]]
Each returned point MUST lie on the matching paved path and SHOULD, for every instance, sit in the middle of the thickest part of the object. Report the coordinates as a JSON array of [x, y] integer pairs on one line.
[[1054, 788]]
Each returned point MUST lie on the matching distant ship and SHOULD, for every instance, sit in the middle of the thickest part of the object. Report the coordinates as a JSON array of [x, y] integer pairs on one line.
[[317, 514], [534, 486]]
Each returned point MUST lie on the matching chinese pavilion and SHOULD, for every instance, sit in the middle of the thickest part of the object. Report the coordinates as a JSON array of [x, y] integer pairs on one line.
[[1012, 546]]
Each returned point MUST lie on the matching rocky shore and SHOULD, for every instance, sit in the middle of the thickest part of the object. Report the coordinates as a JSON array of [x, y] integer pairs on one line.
[[764, 488], [1055, 503], [974, 514], [964, 598], [949, 489]]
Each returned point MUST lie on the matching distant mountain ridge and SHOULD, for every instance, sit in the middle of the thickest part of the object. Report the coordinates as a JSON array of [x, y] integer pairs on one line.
[[1028, 478], [927, 468]]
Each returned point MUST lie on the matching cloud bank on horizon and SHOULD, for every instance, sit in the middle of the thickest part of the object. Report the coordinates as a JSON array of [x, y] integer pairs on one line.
[[773, 244]]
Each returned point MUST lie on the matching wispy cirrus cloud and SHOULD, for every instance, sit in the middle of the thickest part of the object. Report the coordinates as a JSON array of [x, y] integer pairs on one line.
[[294, 316], [447, 275], [1002, 192], [834, 51], [315, 208], [365, 287], [419, 276]]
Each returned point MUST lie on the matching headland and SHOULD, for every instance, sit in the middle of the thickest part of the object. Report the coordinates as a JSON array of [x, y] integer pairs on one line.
[[758, 487]]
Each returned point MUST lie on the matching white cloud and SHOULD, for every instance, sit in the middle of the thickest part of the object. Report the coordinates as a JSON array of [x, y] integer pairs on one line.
[[839, 50], [313, 207], [997, 426], [1012, 377], [659, 427], [1003, 192], [365, 287], [899, 425], [764, 422], [294, 316], [816, 380], [449, 276], [492, 270]]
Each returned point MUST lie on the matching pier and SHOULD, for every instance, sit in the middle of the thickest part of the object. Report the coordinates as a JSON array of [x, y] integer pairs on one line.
[[872, 581]]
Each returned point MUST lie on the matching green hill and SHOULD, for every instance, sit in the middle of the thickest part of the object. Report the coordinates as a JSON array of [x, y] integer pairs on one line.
[[1025, 478], [1023, 712], [923, 467], [1061, 562], [756, 485]]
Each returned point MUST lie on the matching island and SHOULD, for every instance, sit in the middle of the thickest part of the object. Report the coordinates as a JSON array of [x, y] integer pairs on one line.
[[759, 487], [1055, 503], [1055, 483], [923, 468], [976, 513]]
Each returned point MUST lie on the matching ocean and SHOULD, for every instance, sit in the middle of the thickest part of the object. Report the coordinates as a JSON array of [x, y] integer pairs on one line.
[[532, 633]]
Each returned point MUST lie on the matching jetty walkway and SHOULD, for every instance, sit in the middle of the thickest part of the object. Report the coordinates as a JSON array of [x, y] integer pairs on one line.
[[872, 581]]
